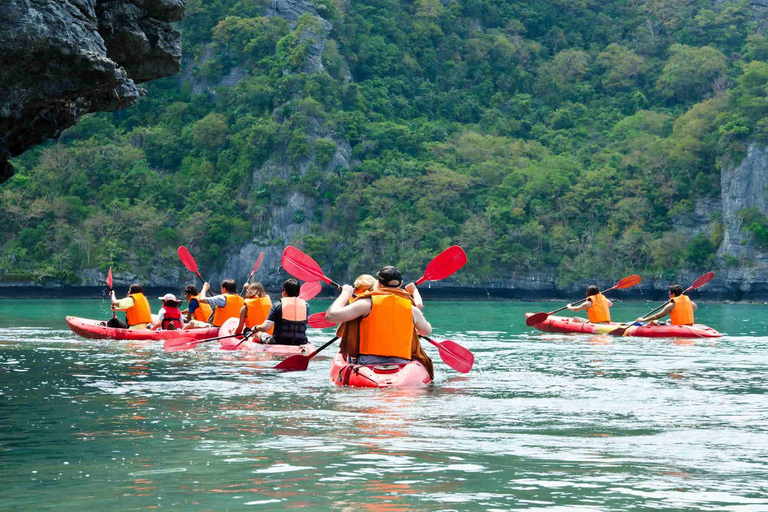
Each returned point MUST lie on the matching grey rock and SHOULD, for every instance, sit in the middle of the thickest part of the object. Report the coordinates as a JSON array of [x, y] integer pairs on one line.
[[60, 60]]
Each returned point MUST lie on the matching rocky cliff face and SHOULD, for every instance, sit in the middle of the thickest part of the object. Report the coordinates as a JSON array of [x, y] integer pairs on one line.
[[60, 60]]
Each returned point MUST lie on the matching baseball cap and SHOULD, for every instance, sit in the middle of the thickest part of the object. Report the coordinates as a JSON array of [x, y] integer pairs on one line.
[[389, 276]]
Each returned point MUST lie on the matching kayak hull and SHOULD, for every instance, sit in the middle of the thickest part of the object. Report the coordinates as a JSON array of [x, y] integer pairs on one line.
[[355, 375], [561, 324], [98, 330], [229, 328]]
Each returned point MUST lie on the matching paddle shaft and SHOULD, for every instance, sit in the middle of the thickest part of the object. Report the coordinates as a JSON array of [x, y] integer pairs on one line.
[[244, 338]]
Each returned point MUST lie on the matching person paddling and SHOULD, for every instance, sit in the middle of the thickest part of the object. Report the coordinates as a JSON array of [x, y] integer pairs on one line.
[[138, 314], [200, 313], [256, 309], [228, 303], [382, 325], [597, 306], [169, 317], [680, 308], [288, 317]]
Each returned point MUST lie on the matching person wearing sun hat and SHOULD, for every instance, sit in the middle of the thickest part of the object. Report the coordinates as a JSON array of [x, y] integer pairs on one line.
[[169, 317], [382, 325]]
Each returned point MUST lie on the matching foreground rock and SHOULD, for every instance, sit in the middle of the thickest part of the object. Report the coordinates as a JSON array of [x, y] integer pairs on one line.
[[61, 60]]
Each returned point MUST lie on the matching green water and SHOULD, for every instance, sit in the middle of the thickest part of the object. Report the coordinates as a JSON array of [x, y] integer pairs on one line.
[[543, 422]]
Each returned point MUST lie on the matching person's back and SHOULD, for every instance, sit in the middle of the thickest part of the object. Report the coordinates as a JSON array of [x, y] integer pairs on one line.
[[138, 314], [228, 304], [596, 304], [169, 317], [257, 304], [291, 326]]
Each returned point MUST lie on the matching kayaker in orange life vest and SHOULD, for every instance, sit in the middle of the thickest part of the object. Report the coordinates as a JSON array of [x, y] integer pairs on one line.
[[138, 314], [680, 308], [196, 311], [288, 318], [597, 306], [228, 303], [256, 309], [381, 325], [169, 316]]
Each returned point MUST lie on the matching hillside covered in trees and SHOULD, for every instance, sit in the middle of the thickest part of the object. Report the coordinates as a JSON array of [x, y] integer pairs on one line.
[[565, 135]]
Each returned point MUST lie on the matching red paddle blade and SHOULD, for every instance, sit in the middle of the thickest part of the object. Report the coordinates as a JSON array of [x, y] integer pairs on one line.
[[454, 355], [310, 290], [444, 264], [258, 262], [177, 344], [536, 318], [295, 363], [301, 266], [629, 281], [318, 321], [702, 280], [187, 259], [109, 278]]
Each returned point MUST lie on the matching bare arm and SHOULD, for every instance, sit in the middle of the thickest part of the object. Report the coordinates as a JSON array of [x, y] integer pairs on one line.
[[264, 327], [411, 288], [664, 312], [694, 306], [341, 311], [581, 307], [241, 324], [422, 326]]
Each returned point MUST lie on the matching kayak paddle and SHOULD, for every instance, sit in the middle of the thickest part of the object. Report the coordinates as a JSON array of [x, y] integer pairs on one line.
[[309, 290], [299, 363], [701, 281], [303, 267], [188, 342], [444, 264], [537, 318], [318, 321], [189, 262], [453, 354], [109, 283], [256, 266]]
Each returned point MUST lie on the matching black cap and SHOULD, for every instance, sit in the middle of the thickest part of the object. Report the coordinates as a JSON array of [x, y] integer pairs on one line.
[[389, 276]]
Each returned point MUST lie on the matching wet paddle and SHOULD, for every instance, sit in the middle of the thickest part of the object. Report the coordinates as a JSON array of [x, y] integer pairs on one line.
[[189, 262], [310, 290], [453, 354], [701, 281], [537, 318], [444, 264], [109, 283], [256, 266], [303, 267], [299, 363], [188, 342], [318, 321]]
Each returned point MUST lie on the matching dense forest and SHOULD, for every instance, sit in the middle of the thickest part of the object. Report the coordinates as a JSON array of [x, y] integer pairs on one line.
[[563, 135]]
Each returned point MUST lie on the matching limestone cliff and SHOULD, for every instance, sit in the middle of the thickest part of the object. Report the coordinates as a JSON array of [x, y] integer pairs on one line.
[[60, 60]]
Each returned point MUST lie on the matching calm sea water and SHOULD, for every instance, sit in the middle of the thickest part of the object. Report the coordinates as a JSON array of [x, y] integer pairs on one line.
[[543, 422]]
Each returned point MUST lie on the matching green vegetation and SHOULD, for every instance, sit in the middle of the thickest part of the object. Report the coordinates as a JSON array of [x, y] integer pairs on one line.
[[555, 134]]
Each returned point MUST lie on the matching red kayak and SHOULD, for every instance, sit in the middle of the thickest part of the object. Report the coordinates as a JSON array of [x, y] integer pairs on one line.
[[251, 346], [98, 330], [567, 325], [378, 376]]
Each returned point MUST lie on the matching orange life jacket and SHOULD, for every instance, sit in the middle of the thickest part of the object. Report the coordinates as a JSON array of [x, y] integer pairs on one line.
[[258, 309], [388, 329], [139, 313], [294, 309], [203, 311], [599, 312], [230, 310], [682, 314]]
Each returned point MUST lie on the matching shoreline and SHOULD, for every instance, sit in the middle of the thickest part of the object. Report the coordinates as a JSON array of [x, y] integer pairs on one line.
[[435, 294]]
